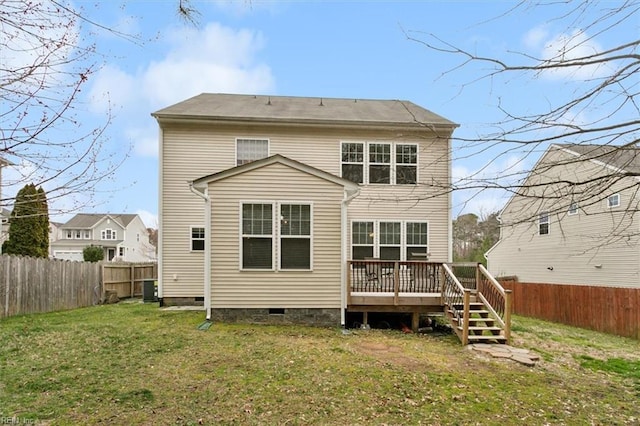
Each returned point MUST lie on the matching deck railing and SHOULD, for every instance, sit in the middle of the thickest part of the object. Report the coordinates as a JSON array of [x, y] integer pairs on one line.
[[389, 276], [496, 298]]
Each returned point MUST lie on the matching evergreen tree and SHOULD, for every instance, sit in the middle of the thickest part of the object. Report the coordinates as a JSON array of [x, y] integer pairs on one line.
[[29, 224]]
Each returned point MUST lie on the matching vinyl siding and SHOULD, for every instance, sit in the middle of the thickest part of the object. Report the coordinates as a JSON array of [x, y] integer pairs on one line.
[[235, 288], [596, 246], [193, 150]]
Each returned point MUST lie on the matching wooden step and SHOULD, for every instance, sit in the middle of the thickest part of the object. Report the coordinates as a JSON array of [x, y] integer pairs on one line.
[[486, 338]]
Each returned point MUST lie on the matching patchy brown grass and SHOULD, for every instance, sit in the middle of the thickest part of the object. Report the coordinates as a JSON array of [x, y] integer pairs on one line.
[[135, 364]]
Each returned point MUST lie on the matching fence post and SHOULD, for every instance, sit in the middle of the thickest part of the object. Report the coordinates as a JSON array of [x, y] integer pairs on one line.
[[132, 275]]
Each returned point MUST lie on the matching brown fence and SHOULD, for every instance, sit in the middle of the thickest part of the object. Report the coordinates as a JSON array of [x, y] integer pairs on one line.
[[127, 278], [30, 285], [608, 309]]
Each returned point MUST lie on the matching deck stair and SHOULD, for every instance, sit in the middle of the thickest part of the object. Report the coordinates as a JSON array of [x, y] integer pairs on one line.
[[483, 328]]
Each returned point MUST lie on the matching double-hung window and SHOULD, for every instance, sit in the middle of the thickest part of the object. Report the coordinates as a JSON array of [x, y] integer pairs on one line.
[[362, 240], [108, 234], [543, 223], [390, 240], [379, 163], [248, 150], [295, 236], [406, 164], [289, 238], [417, 240], [353, 162], [257, 236], [197, 238]]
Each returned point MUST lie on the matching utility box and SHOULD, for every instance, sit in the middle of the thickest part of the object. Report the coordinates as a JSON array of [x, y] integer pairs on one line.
[[149, 293]]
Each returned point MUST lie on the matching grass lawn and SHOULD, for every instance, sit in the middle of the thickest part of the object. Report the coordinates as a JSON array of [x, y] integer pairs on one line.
[[135, 364]]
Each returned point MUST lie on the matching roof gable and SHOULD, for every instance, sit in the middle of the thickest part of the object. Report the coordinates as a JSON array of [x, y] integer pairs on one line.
[[90, 220], [291, 109], [275, 159], [623, 158]]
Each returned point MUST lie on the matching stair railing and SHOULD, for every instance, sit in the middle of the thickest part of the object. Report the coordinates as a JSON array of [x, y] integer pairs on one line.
[[496, 299], [455, 295]]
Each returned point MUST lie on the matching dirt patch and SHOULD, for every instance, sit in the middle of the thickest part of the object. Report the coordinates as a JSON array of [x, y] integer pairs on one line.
[[387, 354]]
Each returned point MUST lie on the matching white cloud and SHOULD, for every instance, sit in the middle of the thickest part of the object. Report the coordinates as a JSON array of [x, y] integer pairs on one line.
[[563, 48], [150, 220], [111, 87]]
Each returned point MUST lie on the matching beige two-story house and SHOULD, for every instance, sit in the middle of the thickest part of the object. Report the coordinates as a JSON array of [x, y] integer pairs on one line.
[[264, 199], [575, 219]]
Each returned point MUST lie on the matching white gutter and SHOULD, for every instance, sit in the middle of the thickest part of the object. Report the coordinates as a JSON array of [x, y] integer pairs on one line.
[[343, 253], [207, 247]]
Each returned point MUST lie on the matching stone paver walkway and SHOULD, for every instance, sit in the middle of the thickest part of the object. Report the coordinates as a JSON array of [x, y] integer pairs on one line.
[[523, 356]]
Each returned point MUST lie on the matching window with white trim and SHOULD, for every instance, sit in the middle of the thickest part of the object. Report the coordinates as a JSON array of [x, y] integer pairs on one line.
[[108, 234], [379, 163], [78, 234], [389, 240], [257, 236], [263, 238], [248, 150], [573, 209], [353, 161], [406, 164], [295, 236], [417, 240], [613, 201], [361, 240], [197, 238], [69, 234], [87, 235], [121, 251], [543, 223]]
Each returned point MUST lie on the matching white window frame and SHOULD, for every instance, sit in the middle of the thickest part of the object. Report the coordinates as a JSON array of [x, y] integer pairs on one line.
[[120, 251], [544, 218], [86, 234], [376, 236], [192, 239], [251, 139], [573, 209], [613, 200], [112, 233], [400, 235], [393, 164], [276, 237], [69, 234]]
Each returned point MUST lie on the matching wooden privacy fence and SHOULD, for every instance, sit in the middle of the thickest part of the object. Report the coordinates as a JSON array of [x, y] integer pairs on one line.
[[31, 285], [611, 310], [127, 278]]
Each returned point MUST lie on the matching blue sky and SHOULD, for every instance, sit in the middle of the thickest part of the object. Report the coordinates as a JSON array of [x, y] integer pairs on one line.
[[342, 49]]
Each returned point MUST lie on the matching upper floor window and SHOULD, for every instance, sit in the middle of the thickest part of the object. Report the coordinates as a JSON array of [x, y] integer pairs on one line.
[[108, 234], [248, 150], [379, 163], [197, 238], [87, 235], [69, 234], [573, 209], [543, 223], [613, 200]]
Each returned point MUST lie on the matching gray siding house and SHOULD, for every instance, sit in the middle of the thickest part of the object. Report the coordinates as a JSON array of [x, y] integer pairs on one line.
[[575, 221], [264, 199]]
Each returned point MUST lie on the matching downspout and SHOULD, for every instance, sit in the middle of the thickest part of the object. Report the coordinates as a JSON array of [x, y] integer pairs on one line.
[[343, 253], [207, 247]]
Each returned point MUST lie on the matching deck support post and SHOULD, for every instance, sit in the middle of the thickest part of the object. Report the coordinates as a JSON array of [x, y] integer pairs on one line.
[[365, 318], [415, 321]]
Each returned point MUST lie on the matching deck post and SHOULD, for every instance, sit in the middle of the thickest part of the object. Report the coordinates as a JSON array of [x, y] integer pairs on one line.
[[465, 317], [441, 277], [396, 282], [508, 296], [415, 321]]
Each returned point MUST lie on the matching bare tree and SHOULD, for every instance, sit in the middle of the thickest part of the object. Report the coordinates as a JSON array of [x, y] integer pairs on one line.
[[598, 113]]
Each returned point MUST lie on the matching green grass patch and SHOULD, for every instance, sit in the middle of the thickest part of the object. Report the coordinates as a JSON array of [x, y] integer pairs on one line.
[[135, 364], [624, 367]]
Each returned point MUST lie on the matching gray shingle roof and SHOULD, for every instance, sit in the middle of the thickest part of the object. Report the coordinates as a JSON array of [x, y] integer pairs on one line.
[[625, 158], [89, 220], [263, 108]]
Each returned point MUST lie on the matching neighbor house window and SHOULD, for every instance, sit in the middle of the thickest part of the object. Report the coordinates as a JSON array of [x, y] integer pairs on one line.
[[361, 240], [390, 240], [257, 236], [87, 235], [379, 163], [353, 162], [406, 164], [417, 239], [69, 234], [295, 236], [121, 251], [543, 223], [78, 234], [573, 209], [613, 200], [197, 238], [248, 150], [108, 234]]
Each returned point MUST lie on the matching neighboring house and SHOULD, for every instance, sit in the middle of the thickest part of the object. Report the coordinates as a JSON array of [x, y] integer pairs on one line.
[[54, 235], [264, 199], [575, 220], [123, 237], [5, 215]]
